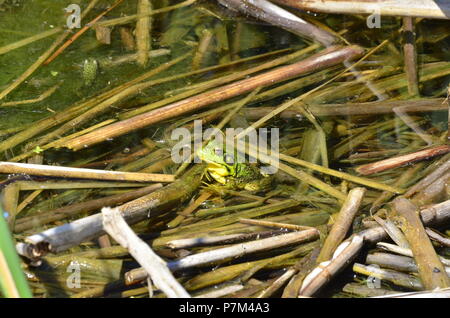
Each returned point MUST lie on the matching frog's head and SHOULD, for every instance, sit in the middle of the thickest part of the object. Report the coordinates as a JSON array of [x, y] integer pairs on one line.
[[219, 162]]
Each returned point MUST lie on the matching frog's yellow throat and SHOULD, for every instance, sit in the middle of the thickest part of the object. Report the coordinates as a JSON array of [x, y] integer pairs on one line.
[[217, 172]]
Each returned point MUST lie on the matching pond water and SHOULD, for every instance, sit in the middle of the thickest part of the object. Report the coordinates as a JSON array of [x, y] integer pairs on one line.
[[344, 117]]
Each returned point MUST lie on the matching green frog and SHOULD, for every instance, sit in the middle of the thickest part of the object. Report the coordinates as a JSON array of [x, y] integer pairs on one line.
[[222, 168]]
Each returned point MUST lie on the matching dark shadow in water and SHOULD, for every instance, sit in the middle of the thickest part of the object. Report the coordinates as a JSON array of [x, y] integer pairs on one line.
[[48, 278]]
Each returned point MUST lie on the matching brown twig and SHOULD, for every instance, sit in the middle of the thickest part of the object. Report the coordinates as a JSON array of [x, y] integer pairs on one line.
[[79, 33], [353, 109], [399, 161], [327, 58]]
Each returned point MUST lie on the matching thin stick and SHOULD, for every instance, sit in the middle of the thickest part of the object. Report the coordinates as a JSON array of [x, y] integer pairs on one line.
[[40, 98], [27, 223], [71, 234], [238, 250], [433, 9], [399, 161], [331, 172], [409, 51], [131, 18], [294, 101], [205, 41], [448, 109], [156, 267], [33, 67], [12, 46], [393, 231], [329, 57], [222, 291], [220, 125], [188, 211], [405, 251], [43, 57], [342, 224], [221, 239], [292, 227], [80, 33], [435, 236], [397, 278], [268, 12], [431, 271], [354, 109], [214, 83], [79, 173], [429, 179], [441, 293], [326, 270], [143, 29]]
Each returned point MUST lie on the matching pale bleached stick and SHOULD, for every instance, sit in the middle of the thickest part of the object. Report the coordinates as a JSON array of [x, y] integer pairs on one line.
[[273, 14], [325, 271], [440, 293], [231, 252], [393, 231], [239, 250], [438, 213], [429, 179], [157, 269], [405, 251], [437, 237], [221, 292], [342, 224], [65, 236], [396, 262], [80, 173], [434, 9], [395, 277], [221, 239]]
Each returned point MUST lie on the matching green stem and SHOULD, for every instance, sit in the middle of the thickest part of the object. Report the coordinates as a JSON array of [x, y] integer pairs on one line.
[[13, 283]]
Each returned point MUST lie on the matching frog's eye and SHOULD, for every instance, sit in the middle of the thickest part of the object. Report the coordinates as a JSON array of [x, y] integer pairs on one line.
[[218, 151], [229, 159]]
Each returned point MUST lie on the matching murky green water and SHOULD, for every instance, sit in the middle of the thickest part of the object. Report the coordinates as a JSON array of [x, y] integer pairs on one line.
[[232, 37]]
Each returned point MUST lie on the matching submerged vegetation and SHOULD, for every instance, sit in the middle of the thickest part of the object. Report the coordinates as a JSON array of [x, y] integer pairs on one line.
[[89, 116]]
